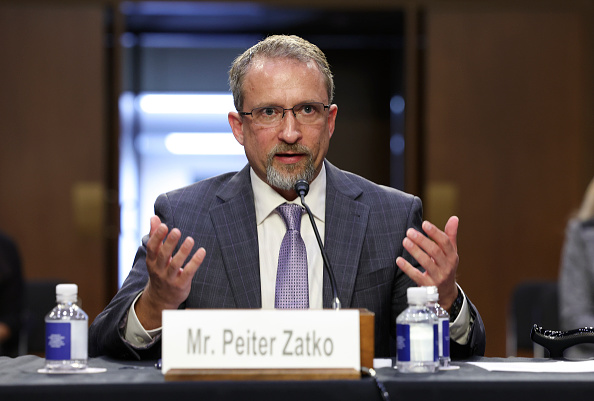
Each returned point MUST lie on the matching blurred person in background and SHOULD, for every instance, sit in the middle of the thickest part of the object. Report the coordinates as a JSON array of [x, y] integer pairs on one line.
[[576, 283], [11, 296]]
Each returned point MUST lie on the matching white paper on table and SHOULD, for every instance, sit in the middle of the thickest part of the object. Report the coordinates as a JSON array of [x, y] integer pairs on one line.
[[84, 371], [538, 367], [382, 363]]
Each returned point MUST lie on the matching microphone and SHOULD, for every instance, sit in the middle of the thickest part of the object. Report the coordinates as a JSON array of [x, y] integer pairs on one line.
[[302, 189]]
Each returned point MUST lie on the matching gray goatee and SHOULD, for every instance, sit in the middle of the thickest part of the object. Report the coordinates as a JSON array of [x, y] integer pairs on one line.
[[290, 174]]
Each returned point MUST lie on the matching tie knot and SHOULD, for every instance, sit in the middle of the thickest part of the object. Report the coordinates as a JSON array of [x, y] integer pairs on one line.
[[291, 215]]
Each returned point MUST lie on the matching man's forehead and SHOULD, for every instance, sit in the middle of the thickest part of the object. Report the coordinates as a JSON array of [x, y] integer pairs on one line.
[[282, 81], [261, 64]]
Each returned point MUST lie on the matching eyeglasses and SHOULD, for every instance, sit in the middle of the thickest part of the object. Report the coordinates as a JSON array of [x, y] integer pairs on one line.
[[304, 113]]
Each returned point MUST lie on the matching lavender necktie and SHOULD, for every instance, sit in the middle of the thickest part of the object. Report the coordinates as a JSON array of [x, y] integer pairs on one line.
[[292, 290]]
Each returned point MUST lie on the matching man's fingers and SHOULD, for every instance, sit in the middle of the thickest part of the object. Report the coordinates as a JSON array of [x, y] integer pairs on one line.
[[412, 272], [155, 222], [423, 249], [155, 241], [437, 254], [177, 261], [451, 230], [421, 255], [166, 251], [435, 251], [439, 237], [192, 266]]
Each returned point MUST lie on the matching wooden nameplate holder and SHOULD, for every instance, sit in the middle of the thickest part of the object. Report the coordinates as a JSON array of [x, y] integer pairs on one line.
[[366, 337]]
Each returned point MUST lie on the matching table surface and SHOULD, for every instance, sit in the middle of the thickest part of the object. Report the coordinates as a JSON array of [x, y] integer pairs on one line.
[[128, 380]]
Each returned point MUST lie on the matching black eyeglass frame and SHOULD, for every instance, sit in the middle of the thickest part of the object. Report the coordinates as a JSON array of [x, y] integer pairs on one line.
[[251, 113]]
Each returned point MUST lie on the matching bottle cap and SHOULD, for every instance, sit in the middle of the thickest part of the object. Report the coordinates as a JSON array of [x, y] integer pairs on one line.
[[432, 293], [416, 295], [67, 292]]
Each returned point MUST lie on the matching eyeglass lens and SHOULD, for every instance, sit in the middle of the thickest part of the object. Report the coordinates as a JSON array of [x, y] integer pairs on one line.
[[306, 113]]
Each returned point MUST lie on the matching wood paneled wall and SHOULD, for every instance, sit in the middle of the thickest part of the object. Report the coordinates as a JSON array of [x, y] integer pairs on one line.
[[52, 157], [508, 144]]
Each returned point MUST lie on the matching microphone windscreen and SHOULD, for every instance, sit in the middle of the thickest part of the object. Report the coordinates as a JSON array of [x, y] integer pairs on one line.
[[302, 187]]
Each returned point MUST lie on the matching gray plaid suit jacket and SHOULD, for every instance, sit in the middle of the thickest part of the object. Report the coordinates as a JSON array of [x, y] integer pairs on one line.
[[365, 225]]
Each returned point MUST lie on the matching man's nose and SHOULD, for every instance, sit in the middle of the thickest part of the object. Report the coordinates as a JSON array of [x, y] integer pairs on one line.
[[290, 131]]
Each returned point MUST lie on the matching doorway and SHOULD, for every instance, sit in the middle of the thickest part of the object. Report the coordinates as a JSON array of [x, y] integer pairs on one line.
[[178, 54]]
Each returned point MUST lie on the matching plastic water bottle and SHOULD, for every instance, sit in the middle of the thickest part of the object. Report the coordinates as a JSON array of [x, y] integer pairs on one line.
[[416, 335], [443, 331], [66, 332]]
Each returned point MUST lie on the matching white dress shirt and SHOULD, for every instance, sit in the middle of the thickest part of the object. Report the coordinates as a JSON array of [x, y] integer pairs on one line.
[[272, 229]]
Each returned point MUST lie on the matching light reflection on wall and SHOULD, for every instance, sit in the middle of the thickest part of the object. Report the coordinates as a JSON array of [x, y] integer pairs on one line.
[[195, 123]]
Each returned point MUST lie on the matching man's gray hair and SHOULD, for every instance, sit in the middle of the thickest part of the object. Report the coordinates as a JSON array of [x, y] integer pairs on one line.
[[278, 46]]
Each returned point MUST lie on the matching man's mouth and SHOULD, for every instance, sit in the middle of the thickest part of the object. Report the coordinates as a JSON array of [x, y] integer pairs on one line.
[[289, 158]]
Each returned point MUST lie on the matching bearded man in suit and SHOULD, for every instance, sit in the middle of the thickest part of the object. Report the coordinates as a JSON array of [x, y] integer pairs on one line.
[[374, 236]]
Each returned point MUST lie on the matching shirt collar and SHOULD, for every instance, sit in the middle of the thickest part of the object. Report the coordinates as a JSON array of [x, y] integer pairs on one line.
[[267, 199]]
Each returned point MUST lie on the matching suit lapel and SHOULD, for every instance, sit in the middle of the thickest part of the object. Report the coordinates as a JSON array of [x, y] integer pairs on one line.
[[235, 225], [346, 224]]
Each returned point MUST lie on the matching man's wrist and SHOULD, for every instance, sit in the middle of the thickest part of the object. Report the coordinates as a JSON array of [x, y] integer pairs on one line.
[[148, 312], [456, 306]]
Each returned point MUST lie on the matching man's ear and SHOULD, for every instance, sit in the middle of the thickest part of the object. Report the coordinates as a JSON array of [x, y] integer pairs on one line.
[[332, 112], [236, 123]]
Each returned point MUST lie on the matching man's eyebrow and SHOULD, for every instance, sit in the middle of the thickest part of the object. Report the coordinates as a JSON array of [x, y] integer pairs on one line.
[[279, 105], [261, 105]]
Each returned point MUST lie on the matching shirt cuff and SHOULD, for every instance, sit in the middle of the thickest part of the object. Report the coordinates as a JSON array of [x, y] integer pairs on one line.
[[135, 334], [460, 328]]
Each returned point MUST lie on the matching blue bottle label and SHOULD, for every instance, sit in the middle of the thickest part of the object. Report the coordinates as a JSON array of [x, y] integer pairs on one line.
[[436, 340], [417, 342], [445, 337], [57, 341], [403, 342]]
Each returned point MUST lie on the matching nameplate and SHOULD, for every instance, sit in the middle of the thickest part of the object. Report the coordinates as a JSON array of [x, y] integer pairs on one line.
[[260, 339]]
